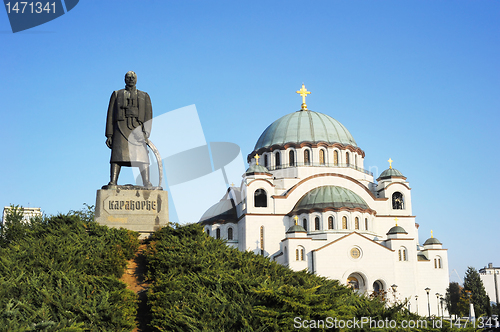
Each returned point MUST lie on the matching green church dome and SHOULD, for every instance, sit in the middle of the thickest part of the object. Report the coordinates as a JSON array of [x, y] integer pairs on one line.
[[390, 172], [305, 126], [296, 229], [432, 240], [397, 230], [254, 168], [329, 197]]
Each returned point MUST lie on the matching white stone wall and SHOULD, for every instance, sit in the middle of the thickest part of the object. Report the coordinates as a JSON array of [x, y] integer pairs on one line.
[[488, 279], [327, 252]]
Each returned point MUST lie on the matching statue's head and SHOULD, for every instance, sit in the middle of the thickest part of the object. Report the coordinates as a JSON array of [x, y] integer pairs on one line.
[[130, 78]]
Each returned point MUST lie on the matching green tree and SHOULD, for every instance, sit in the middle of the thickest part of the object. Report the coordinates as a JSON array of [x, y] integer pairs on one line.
[[12, 227], [463, 303], [473, 283], [86, 214], [60, 273], [453, 298]]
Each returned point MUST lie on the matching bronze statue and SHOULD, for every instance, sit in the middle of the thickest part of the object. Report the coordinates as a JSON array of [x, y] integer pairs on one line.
[[128, 127]]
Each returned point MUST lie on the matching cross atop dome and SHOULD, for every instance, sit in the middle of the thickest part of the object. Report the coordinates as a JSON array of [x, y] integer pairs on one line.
[[303, 93]]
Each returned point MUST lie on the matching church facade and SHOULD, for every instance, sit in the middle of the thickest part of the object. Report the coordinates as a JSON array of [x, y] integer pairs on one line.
[[307, 202]]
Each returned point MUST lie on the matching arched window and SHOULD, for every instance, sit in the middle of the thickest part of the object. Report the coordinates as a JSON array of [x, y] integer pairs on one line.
[[260, 198], [356, 160], [322, 157], [366, 223], [277, 159], [307, 157], [356, 223], [208, 231], [344, 222], [336, 157], [291, 156], [217, 233], [403, 256], [330, 222], [229, 233], [377, 286], [300, 253], [316, 223], [266, 161], [397, 201], [437, 263], [347, 158], [304, 223]]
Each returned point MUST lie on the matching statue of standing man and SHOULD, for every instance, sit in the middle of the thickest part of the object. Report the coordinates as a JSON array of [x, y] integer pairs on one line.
[[128, 127]]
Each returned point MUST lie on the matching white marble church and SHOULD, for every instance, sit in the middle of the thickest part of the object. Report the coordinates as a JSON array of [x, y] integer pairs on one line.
[[307, 202]]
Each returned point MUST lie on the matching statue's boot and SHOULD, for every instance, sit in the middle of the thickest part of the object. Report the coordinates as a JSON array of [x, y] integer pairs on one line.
[[144, 169], [115, 172]]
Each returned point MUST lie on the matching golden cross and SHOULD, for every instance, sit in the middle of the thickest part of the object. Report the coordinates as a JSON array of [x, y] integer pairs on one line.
[[432, 235], [303, 92], [296, 218], [390, 162], [257, 158], [396, 220], [232, 184]]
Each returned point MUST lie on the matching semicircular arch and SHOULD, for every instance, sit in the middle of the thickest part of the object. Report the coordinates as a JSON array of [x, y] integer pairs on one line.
[[331, 179]]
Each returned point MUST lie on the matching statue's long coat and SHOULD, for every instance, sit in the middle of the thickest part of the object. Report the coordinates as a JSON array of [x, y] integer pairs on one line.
[[129, 146]]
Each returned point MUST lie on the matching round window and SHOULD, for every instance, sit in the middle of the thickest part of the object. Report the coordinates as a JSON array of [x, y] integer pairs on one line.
[[355, 253]]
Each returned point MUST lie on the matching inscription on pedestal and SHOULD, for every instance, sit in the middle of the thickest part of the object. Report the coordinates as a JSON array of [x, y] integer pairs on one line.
[[130, 205], [140, 210]]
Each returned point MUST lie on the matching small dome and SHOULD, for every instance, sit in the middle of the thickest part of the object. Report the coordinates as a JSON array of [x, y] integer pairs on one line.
[[397, 230], [390, 172], [330, 197], [432, 240], [296, 229], [254, 168], [305, 126]]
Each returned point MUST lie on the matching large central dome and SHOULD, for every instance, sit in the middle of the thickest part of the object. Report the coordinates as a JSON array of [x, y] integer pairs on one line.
[[305, 126]]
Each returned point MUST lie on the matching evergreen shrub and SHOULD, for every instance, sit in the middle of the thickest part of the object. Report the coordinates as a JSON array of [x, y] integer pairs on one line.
[[201, 284], [61, 273]]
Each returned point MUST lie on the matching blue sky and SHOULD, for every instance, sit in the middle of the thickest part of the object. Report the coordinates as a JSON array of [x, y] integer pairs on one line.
[[416, 81]]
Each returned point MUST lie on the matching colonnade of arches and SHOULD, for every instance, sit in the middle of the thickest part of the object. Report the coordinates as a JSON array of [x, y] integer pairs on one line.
[[325, 222], [218, 233], [308, 156]]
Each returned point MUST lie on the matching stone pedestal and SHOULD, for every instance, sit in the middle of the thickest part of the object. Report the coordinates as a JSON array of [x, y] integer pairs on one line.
[[131, 207]]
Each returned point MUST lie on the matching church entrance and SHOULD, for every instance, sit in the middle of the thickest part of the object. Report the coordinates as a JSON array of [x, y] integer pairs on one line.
[[356, 281]]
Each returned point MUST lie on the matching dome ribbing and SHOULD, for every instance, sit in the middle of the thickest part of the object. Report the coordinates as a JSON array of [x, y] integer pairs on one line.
[[305, 126]]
